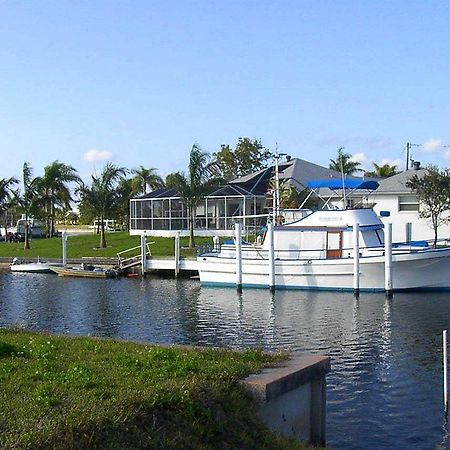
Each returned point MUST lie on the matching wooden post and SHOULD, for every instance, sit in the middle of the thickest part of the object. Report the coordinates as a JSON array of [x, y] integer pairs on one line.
[[143, 254], [270, 235], [356, 259], [64, 248], [238, 245], [177, 254], [388, 286]]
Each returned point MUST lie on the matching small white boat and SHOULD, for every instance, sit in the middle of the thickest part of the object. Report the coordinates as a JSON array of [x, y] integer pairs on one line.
[[316, 252], [32, 267]]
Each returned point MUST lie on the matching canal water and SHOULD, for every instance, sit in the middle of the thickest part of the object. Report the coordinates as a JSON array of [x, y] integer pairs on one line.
[[385, 387]]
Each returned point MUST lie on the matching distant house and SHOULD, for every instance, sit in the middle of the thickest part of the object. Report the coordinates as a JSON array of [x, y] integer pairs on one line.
[[401, 203], [246, 199], [397, 204]]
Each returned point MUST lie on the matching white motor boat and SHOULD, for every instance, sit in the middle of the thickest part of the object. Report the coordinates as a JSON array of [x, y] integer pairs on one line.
[[316, 252], [33, 267]]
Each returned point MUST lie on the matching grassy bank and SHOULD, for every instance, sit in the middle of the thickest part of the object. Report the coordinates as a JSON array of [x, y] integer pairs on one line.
[[85, 245], [60, 392]]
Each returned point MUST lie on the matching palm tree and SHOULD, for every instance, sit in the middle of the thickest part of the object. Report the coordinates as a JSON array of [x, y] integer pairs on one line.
[[6, 197], [194, 185], [125, 192], [344, 163], [383, 171], [26, 198], [102, 195], [54, 191], [146, 178]]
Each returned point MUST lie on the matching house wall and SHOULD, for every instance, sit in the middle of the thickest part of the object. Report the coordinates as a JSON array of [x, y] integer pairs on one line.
[[421, 229]]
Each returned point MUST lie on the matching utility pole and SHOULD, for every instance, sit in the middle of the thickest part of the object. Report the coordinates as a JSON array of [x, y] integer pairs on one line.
[[408, 154]]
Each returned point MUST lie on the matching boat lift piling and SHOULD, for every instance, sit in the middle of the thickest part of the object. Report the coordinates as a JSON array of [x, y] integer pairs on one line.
[[64, 248], [238, 245], [444, 357], [356, 259], [270, 236], [388, 286]]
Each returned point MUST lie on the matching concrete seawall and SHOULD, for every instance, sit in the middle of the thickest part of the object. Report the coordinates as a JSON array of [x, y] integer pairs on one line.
[[291, 400]]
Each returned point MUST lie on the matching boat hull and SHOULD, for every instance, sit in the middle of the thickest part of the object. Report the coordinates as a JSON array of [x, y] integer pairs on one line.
[[427, 270], [32, 268], [75, 272]]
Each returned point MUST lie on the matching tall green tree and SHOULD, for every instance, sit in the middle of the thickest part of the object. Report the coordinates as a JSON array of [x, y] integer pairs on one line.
[[125, 191], [54, 192], [383, 171], [171, 180], [194, 185], [146, 178], [6, 198], [343, 163], [433, 191], [248, 157], [26, 198], [102, 195]]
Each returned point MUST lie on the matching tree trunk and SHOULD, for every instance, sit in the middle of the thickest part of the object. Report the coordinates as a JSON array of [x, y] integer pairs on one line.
[[435, 237], [26, 244], [52, 219], [191, 228], [102, 233]]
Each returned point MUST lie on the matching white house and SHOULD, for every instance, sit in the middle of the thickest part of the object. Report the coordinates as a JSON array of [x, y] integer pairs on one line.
[[393, 197]]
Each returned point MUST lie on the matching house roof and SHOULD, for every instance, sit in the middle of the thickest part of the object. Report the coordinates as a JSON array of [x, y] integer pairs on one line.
[[297, 171], [160, 193], [397, 183]]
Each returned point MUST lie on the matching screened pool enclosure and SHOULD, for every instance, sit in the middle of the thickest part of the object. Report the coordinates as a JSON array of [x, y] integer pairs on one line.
[[162, 213]]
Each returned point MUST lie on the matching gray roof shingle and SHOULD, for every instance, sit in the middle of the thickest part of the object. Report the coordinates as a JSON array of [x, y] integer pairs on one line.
[[397, 183]]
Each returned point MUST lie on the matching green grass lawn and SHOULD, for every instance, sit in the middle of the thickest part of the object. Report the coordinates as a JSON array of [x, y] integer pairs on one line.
[[62, 392], [85, 245]]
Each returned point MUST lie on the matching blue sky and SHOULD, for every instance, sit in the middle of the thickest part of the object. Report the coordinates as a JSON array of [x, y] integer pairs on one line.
[[138, 82]]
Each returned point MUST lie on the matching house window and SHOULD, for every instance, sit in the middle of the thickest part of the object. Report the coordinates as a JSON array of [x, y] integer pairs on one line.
[[408, 203]]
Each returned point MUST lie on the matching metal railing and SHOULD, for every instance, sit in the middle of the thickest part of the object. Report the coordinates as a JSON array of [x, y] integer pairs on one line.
[[124, 262]]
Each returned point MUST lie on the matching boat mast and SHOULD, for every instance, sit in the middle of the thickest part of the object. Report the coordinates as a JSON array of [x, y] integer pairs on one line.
[[277, 185], [276, 195]]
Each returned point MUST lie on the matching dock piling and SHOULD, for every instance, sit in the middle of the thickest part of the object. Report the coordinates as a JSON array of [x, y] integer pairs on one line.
[[388, 286], [177, 254], [270, 235], [238, 245], [64, 248], [143, 253], [356, 259]]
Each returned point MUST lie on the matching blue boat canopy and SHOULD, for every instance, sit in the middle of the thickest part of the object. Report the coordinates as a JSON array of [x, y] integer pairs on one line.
[[336, 183]]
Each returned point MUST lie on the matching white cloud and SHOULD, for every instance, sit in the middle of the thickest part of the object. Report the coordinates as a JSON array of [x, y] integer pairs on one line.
[[391, 162], [359, 157], [447, 154], [431, 145], [93, 155]]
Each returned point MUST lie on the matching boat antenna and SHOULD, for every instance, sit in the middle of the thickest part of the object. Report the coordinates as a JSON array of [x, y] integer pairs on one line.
[[343, 180]]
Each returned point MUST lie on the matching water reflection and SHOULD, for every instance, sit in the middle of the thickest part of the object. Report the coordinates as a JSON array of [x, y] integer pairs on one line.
[[386, 378]]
